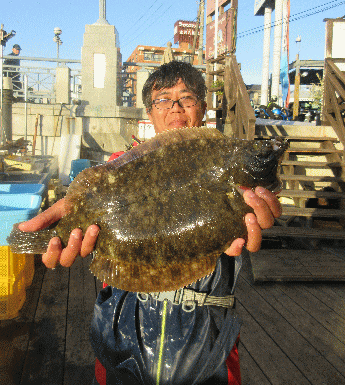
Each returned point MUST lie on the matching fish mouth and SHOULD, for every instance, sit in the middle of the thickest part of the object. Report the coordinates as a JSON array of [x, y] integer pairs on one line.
[[275, 187]]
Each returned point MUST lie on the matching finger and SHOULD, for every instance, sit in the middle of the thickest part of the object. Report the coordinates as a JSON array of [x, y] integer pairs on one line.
[[89, 240], [51, 257], [43, 220], [261, 209], [71, 251], [235, 248], [271, 199], [254, 233]]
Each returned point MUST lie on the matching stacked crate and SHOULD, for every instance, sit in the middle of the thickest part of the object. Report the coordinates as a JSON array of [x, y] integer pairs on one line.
[[17, 204]]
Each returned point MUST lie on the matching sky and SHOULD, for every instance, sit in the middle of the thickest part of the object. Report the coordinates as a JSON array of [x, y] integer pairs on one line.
[[151, 22]]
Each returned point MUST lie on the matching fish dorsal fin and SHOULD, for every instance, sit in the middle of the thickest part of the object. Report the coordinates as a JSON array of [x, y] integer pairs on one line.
[[81, 183], [163, 139]]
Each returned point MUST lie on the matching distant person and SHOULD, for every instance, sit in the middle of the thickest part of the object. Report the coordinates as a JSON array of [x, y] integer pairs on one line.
[[13, 72], [271, 105]]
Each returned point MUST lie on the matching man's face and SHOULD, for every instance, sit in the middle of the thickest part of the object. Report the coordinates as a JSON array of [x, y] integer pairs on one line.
[[175, 117], [16, 51]]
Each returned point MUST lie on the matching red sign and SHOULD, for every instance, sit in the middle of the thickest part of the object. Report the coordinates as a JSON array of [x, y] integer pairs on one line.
[[184, 31], [226, 41]]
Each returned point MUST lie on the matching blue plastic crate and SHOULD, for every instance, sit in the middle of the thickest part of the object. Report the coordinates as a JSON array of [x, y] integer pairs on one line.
[[16, 208], [78, 165], [22, 188]]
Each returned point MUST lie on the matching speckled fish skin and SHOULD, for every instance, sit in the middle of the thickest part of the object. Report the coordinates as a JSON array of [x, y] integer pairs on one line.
[[166, 209]]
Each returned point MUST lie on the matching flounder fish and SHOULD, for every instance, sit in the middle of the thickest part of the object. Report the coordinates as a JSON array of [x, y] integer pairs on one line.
[[166, 209]]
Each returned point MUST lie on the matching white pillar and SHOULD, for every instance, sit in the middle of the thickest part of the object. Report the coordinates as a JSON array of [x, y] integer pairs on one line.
[[277, 47], [266, 56]]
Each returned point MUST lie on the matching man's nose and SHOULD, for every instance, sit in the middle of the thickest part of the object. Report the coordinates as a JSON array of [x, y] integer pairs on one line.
[[176, 105]]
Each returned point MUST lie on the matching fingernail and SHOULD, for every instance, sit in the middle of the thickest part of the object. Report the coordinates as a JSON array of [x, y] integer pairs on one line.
[[76, 235], [250, 219], [55, 241], [260, 190], [94, 232], [249, 193]]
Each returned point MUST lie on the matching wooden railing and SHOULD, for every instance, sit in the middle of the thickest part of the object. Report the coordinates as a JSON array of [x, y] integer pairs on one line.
[[334, 97], [240, 115], [237, 113]]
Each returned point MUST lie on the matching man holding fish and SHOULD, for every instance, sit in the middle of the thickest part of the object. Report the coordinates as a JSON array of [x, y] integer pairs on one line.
[[188, 335]]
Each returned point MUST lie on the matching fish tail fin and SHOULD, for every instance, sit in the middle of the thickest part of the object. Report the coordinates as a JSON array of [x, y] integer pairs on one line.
[[34, 242]]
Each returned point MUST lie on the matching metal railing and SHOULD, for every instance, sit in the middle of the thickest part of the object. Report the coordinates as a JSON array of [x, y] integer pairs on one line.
[[36, 84]]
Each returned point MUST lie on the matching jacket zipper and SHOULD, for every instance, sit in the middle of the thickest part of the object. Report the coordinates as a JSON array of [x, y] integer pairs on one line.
[[161, 346]]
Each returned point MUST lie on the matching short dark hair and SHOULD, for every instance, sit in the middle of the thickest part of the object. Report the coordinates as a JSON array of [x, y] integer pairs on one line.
[[167, 76]]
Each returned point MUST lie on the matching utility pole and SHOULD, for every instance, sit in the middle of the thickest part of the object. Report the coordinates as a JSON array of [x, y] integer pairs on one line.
[[196, 32]]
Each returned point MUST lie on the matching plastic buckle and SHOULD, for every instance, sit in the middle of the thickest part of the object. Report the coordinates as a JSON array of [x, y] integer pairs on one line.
[[174, 297]]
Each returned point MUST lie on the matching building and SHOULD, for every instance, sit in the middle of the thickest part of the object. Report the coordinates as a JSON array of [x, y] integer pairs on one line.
[[254, 92], [147, 57]]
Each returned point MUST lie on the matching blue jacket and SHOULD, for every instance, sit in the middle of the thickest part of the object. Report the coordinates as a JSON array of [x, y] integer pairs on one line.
[[155, 342]]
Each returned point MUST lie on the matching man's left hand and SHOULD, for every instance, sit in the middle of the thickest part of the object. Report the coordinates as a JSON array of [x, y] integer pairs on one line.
[[266, 207]]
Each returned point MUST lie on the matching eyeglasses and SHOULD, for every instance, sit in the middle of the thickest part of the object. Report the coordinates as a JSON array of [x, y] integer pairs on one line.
[[185, 102]]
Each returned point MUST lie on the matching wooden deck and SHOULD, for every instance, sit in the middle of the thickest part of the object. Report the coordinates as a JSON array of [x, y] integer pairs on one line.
[[292, 333]]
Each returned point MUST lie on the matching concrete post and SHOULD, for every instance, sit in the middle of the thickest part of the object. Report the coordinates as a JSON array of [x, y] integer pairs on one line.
[[277, 47], [142, 76], [100, 63], [63, 85], [7, 109], [266, 56]]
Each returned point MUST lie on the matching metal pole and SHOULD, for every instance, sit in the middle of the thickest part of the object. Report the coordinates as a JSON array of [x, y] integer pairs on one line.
[[201, 36], [215, 50], [216, 31], [277, 47], [26, 105], [7, 110], [266, 56]]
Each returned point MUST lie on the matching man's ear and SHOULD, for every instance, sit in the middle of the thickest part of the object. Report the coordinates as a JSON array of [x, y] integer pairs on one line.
[[149, 114]]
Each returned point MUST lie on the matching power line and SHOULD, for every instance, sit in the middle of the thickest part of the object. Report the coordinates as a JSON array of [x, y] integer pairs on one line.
[[136, 23], [154, 22], [297, 16]]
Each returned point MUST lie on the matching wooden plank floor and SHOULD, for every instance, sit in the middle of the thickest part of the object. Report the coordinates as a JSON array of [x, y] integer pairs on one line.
[[292, 333], [298, 265], [49, 342]]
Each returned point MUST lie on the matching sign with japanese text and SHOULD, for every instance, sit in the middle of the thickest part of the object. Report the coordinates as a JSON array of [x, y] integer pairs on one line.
[[226, 38], [184, 31]]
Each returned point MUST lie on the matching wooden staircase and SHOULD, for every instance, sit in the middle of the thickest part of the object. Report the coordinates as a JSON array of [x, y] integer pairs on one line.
[[311, 167], [312, 174], [312, 196]]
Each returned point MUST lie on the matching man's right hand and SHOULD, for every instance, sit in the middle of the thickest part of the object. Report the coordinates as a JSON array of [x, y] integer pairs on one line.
[[77, 244]]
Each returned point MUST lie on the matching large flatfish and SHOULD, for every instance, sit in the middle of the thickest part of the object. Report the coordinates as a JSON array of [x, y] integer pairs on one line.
[[166, 209]]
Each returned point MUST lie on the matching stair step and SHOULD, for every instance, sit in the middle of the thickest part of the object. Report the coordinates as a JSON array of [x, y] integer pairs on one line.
[[303, 232], [312, 164], [311, 212], [311, 194], [300, 138], [314, 150], [311, 178]]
